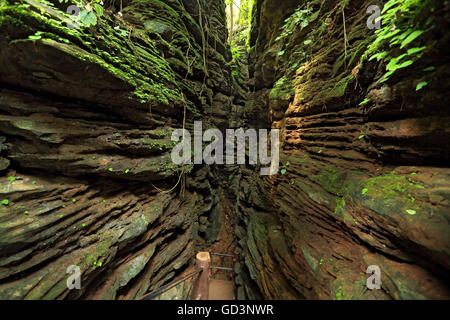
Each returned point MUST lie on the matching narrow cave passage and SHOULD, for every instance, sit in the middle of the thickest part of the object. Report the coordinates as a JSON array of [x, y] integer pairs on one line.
[[91, 93]]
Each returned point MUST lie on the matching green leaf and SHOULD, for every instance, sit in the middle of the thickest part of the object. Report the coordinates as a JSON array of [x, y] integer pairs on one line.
[[128, 170], [110, 169], [405, 64], [11, 178], [364, 101], [283, 171], [398, 38], [391, 66], [320, 151], [364, 191], [99, 9], [379, 56], [420, 85], [360, 137], [281, 53], [386, 76], [429, 69], [412, 212], [411, 38], [88, 18], [306, 42], [5, 202], [415, 50], [83, 15], [91, 18], [388, 5], [405, 34]]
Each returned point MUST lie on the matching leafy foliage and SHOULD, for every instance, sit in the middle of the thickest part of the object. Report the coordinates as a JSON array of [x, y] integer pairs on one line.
[[397, 42], [298, 20], [88, 18], [90, 11], [284, 168], [36, 36], [240, 17], [366, 100], [420, 85], [235, 50]]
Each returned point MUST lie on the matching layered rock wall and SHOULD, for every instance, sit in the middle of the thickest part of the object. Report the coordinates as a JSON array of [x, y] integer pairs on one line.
[[365, 177], [86, 117]]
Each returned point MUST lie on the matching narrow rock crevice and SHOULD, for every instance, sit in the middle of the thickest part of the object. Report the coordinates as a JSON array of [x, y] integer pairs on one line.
[[87, 178]]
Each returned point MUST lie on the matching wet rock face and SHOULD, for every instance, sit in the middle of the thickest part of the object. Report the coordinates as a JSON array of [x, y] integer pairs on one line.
[[363, 183], [86, 117]]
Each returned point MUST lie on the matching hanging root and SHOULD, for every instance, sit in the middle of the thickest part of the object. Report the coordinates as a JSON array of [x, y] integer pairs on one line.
[[181, 177], [200, 21], [345, 38]]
